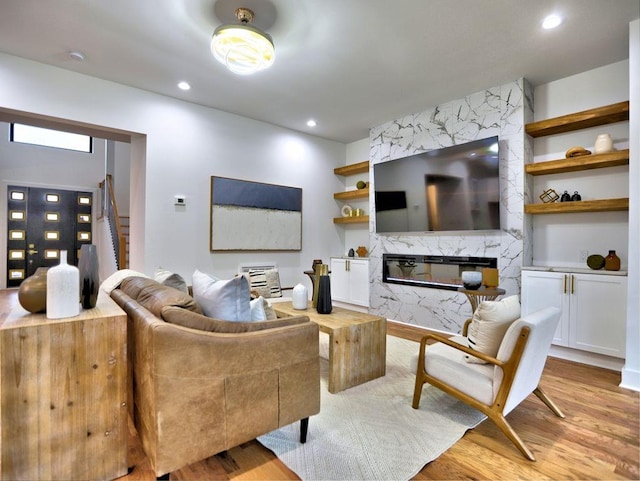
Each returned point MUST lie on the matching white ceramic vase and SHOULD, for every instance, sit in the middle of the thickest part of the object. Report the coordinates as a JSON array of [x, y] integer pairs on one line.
[[471, 279], [63, 290], [299, 297], [603, 144]]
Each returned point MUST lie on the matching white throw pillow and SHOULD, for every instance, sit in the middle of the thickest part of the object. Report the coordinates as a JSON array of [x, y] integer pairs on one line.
[[222, 299], [257, 309], [489, 324], [171, 279]]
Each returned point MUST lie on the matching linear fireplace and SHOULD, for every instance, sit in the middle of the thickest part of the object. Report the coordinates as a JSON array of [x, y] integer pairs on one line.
[[436, 272]]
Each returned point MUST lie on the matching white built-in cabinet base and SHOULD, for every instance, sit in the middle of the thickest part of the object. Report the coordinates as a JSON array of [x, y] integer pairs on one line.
[[350, 280], [593, 308]]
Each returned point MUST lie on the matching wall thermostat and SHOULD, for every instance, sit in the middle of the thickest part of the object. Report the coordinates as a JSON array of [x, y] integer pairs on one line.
[[180, 200]]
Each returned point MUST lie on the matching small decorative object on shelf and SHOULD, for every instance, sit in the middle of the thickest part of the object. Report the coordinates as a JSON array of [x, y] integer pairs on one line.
[[32, 293], [299, 297], [63, 290], [361, 251], [595, 261], [346, 211], [566, 197], [361, 184], [549, 196], [351, 253], [89, 272], [576, 152], [471, 279], [603, 144], [612, 262], [575, 197]]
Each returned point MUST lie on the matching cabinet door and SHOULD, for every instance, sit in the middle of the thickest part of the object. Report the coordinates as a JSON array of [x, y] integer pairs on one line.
[[542, 289], [339, 280], [359, 281], [599, 314]]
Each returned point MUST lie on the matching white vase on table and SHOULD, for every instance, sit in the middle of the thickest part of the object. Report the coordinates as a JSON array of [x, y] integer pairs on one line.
[[63, 290]]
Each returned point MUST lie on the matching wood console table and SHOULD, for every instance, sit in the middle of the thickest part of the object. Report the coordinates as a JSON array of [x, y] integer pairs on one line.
[[357, 343], [63, 412]]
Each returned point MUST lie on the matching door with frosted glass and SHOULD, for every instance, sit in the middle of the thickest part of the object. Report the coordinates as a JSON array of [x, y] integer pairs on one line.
[[41, 223]]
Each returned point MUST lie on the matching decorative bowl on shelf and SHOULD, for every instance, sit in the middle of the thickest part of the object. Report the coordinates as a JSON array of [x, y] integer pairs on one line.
[[471, 279], [595, 261]]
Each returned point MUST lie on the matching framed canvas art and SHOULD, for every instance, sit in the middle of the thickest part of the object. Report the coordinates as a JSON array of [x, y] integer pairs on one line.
[[253, 216]]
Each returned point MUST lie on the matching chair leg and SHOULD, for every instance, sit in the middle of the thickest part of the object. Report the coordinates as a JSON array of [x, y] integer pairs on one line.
[[417, 391], [508, 431], [550, 404], [304, 428]]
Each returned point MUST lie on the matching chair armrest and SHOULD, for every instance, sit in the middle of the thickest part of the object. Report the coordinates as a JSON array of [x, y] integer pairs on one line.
[[459, 347], [465, 328]]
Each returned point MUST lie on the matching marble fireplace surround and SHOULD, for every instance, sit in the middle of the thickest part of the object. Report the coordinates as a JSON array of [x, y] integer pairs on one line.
[[503, 111]]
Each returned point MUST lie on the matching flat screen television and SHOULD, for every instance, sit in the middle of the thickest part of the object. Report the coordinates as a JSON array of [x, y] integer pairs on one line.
[[455, 188]]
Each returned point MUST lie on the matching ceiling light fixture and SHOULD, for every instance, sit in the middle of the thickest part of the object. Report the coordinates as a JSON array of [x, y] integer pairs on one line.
[[311, 123], [184, 85], [551, 21], [243, 48], [76, 55]]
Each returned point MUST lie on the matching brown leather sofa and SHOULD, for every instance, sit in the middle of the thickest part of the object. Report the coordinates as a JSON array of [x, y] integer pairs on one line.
[[213, 385]]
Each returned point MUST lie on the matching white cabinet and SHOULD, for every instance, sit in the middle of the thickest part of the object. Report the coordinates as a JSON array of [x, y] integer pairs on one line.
[[350, 280], [593, 308]]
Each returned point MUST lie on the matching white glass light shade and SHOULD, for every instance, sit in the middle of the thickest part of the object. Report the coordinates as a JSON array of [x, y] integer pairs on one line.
[[242, 48]]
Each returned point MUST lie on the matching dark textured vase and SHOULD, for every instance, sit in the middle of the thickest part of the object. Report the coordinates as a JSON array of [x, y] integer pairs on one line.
[[32, 293], [89, 276], [323, 305]]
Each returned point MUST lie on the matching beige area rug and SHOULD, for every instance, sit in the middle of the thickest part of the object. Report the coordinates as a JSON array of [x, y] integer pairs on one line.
[[371, 432]]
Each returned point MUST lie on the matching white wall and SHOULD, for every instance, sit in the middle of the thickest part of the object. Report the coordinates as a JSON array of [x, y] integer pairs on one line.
[[563, 239], [355, 235], [182, 145]]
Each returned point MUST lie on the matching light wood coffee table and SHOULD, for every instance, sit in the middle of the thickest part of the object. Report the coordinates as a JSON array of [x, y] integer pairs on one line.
[[357, 343]]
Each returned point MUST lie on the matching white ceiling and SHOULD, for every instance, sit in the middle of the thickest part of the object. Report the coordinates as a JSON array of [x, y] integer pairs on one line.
[[349, 64]]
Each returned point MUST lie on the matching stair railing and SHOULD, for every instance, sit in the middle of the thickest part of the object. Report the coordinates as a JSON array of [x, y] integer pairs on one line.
[[119, 241]]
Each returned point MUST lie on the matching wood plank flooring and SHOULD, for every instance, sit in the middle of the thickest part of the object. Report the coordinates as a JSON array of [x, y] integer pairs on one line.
[[599, 439]]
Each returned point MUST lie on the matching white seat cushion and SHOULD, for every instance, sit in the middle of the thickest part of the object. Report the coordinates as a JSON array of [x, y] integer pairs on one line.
[[449, 365]]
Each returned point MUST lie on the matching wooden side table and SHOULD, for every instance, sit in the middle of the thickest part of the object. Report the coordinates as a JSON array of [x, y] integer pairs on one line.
[[476, 296], [63, 414]]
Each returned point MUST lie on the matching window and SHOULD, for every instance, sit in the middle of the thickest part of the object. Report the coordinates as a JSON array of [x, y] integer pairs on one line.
[[28, 134]]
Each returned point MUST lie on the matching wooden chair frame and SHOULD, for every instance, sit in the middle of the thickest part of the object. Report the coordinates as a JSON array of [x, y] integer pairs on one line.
[[495, 410]]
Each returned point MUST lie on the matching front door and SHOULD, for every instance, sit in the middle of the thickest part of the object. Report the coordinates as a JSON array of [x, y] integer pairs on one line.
[[41, 223]]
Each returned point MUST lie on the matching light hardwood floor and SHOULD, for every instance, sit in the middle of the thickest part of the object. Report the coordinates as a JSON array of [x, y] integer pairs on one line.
[[598, 439]]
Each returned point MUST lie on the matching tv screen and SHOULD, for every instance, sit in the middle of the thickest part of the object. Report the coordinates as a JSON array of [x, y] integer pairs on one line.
[[455, 188]]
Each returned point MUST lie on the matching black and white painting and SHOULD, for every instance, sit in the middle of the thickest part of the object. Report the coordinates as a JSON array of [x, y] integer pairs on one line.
[[249, 215]]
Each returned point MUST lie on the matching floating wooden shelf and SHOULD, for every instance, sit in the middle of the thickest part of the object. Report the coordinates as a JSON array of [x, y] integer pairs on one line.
[[583, 162], [608, 114], [359, 168], [352, 194], [361, 219], [603, 205]]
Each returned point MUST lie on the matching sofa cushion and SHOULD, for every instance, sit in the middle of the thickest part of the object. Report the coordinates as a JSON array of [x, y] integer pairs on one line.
[[171, 279], [185, 318], [489, 324], [257, 309], [153, 296], [222, 299]]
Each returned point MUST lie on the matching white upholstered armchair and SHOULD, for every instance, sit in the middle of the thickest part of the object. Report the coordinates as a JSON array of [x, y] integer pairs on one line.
[[504, 381]]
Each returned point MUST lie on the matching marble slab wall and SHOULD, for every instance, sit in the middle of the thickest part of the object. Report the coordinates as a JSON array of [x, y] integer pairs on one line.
[[501, 111]]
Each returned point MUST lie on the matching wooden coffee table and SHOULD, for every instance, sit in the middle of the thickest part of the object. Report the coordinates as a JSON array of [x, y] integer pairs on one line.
[[357, 343]]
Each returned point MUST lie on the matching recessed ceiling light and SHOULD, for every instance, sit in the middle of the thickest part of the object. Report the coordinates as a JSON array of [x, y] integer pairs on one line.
[[184, 85], [551, 21], [311, 123]]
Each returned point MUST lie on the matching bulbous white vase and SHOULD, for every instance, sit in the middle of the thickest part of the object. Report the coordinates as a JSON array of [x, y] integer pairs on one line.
[[603, 144], [300, 297], [63, 290]]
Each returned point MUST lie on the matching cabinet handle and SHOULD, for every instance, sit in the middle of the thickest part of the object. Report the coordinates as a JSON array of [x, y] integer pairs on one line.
[[565, 284], [347, 265], [572, 283]]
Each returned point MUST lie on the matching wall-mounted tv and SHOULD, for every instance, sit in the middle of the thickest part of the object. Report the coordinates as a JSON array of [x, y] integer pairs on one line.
[[455, 188]]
